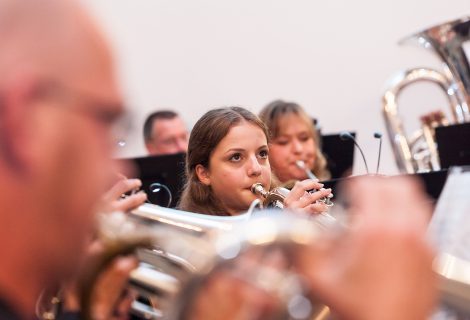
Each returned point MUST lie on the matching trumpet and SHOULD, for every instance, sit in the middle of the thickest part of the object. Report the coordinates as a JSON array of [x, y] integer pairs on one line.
[[272, 199], [310, 175], [275, 197]]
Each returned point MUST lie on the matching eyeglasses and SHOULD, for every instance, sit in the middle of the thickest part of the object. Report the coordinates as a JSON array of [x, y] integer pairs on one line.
[[108, 115]]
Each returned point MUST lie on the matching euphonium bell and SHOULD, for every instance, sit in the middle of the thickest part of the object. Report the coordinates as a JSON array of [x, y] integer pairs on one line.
[[418, 152]]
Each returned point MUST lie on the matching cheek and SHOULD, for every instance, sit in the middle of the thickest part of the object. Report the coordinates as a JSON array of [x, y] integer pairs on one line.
[[231, 177], [278, 156], [310, 150], [95, 167], [223, 178], [266, 175]]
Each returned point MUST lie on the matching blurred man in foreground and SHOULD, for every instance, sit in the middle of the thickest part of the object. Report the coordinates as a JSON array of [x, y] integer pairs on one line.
[[58, 102]]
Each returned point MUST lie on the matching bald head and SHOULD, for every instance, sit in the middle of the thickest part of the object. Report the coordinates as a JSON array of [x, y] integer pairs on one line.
[[58, 103], [49, 38]]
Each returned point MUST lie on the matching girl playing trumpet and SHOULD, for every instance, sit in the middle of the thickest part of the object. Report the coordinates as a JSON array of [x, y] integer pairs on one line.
[[228, 152]]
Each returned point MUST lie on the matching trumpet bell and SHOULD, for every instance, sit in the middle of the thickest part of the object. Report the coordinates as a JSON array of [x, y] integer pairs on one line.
[[179, 266], [256, 259]]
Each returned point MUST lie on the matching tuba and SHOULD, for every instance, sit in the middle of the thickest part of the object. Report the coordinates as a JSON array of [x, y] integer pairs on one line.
[[418, 152]]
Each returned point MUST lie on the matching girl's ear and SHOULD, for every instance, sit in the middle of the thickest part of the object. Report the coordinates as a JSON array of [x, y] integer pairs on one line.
[[203, 175]]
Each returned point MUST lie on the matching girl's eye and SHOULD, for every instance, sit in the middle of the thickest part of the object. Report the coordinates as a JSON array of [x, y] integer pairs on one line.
[[304, 138], [264, 154], [236, 157]]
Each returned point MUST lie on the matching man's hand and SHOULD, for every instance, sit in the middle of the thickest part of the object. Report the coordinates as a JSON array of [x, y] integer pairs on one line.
[[113, 200]]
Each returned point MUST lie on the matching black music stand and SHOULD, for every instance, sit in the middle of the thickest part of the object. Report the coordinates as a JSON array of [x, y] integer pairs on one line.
[[339, 154], [453, 145], [167, 170], [433, 183]]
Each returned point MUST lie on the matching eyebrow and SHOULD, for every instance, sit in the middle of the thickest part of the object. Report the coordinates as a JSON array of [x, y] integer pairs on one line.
[[235, 149], [293, 134], [264, 146]]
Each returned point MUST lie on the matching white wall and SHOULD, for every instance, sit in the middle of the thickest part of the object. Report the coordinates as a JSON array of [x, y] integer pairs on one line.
[[333, 57]]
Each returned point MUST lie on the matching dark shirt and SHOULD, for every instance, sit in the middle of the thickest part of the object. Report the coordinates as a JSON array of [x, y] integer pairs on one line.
[[69, 315], [6, 312]]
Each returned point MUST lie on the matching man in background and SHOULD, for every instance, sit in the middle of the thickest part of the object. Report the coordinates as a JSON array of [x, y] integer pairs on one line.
[[165, 133]]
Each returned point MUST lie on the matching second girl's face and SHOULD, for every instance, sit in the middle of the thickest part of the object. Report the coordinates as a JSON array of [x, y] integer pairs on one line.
[[239, 160], [294, 142]]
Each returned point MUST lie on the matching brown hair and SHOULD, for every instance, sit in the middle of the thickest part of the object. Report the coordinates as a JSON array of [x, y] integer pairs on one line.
[[274, 111], [208, 131]]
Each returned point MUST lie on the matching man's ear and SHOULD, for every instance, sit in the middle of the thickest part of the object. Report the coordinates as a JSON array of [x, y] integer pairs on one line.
[[15, 130], [203, 175]]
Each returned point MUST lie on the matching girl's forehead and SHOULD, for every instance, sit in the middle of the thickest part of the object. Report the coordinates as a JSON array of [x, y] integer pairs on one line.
[[244, 134]]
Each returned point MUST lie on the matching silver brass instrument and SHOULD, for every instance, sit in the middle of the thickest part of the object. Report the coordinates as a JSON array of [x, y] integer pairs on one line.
[[260, 254], [179, 251], [184, 255], [171, 246], [418, 152]]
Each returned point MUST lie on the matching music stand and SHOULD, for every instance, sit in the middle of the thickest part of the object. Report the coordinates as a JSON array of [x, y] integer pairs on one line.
[[167, 170], [339, 154], [433, 183], [453, 145]]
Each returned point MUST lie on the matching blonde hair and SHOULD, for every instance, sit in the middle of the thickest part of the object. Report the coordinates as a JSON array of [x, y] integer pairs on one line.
[[207, 133], [274, 111]]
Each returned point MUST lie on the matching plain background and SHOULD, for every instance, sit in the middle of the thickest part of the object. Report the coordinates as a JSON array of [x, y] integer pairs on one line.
[[332, 57]]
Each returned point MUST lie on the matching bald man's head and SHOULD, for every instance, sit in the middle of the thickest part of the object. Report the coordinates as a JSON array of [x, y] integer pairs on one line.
[[50, 38], [58, 102]]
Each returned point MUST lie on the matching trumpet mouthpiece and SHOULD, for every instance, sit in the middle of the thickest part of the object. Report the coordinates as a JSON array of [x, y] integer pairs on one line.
[[258, 189], [300, 164]]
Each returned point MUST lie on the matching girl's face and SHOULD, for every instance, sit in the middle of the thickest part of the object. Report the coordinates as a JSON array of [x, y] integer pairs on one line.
[[294, 142], [237, 162]]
